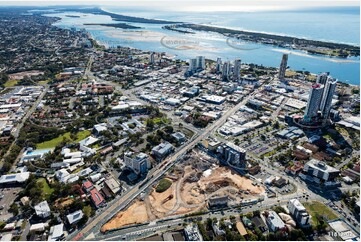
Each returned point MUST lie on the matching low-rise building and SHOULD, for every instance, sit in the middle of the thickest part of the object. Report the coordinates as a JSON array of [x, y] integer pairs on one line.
[[162, 150], [87, 186], [113, 186], [259, 223], [56, 232], [98, 128], [42, 210], [217, 230], [14, 178], [218, 201], [180, 137], [192, 233], [38, 227], [274, 222], [97, 198], [75, 217]]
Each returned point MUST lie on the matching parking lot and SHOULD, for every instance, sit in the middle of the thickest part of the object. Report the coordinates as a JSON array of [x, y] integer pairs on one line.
[[350, 217], [289, 188], [7, 197], [260, 147]]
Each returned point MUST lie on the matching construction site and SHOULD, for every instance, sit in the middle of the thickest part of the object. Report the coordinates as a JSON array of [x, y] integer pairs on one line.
[[194, 180]]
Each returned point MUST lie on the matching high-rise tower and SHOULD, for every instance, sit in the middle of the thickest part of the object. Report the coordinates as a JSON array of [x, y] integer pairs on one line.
[[237, 69], [322, 78], [219, 65], [201, 62], [226, 69], [283, 67], [328, 92], [314, 101]]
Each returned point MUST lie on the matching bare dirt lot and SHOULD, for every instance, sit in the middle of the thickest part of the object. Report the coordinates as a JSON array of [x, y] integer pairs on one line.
[[136, 213], [193, 183]]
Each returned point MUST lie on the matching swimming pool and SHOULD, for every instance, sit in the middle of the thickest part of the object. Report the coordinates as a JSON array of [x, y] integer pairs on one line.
[[38, 152]]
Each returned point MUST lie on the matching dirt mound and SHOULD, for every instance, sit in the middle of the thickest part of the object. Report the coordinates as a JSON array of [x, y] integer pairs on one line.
[[136, 213], [214, 186], [194, 177]]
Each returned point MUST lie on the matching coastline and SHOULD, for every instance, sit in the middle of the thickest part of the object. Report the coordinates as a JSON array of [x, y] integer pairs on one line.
[[172, 56], [138, 39], [284, 41], [314, 56]]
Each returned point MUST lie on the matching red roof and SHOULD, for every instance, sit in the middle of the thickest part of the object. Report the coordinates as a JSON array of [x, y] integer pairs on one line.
[[87, 184], [317, 85], [96, 197]]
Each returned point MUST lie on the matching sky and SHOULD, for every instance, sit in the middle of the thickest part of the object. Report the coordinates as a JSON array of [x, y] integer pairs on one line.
[[195, 5]]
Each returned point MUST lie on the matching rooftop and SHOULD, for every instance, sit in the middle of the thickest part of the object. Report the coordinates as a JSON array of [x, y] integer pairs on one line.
[[11, 178], [275, 220], [297, 204], [75, 217], [42, 208], [316, 164], [236, 147], [96, 197]]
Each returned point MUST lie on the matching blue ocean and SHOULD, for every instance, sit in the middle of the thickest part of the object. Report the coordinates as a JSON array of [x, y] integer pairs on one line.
[[340, 25]]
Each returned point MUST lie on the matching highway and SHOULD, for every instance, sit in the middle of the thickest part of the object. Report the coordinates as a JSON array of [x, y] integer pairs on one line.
[[96, 223], [145, 230]]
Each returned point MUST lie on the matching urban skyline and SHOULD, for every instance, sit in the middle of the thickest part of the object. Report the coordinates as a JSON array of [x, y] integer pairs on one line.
[[132, 141]]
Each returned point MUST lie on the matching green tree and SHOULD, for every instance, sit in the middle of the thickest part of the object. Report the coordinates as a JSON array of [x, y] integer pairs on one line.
[[150, 124], [14, 209]]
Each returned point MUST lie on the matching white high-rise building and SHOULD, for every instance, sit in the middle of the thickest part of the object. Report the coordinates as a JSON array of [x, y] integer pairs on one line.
[[192, 65], [219, 65], [322, 78], [152, 58], [237, 69], [201, 62], [328, 92], [226, 70], [314, 101], [283, 67]]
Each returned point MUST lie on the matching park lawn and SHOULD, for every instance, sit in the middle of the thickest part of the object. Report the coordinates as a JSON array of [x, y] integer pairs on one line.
[[311, 77], [44, 82], [54, 142], [47, 191], [315, 208], [11, 83], [290, 73], [158, 120]]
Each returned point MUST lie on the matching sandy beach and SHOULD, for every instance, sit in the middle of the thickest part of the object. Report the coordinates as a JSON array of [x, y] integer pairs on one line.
[[337, 60]]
